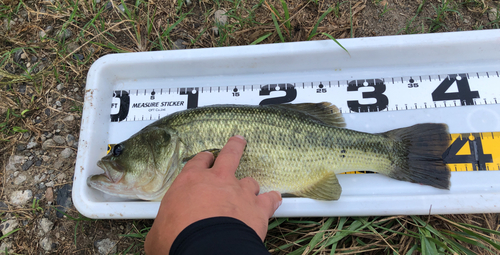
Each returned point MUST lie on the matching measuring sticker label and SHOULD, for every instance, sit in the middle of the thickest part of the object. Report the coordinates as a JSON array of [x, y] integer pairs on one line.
[[366, 95]]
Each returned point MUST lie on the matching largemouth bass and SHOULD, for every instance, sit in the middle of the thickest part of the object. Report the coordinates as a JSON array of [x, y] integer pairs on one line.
[[292, 148]]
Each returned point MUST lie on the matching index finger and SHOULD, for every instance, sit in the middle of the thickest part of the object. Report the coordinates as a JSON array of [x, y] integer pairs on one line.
[[230, 155]]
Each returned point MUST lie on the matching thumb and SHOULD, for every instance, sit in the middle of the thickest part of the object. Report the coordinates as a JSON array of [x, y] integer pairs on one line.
[[269, 202]]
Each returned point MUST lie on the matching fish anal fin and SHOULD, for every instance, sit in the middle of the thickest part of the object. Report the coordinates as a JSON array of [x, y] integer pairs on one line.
[[325, 112], [328, 188]]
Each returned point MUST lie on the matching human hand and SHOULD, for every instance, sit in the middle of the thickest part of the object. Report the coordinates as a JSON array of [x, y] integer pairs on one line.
[[201, 192]]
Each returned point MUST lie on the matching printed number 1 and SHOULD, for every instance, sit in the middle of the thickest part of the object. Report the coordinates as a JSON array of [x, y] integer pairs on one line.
[[192, 94]]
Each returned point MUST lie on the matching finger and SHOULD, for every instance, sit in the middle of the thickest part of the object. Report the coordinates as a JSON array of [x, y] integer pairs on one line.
[[250, 184], [203, 160], [230, 155], [269, 202]]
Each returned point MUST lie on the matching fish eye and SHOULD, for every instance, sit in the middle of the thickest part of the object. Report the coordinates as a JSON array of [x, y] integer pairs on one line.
[[117, 150]]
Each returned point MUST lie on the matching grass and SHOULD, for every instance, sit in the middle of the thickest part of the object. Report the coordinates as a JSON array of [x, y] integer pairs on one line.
[[99, 29]]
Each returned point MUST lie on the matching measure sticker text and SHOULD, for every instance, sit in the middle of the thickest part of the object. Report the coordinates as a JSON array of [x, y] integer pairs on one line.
[[157, 104]]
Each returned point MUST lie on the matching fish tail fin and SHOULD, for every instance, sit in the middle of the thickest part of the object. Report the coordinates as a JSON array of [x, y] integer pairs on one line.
[[418, 157]]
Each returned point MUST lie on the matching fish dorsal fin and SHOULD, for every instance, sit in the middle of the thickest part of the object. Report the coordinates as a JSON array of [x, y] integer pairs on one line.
[[325, 112], [327, 188]]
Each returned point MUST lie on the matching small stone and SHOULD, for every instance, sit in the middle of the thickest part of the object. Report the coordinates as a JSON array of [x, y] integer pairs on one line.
[[76, 89], [48, 143], [27, 165], [78, 56], [215, 30], [16, 173], [24, 55], [493, 14], [59, 139], [121, 8], [63, 199], [50, 184], [178, 45], [38, 161], [73, 47], [31, 145], [220, 17], [106, 246], [46, 225], [58, 164], [70, 139], [8, 226], [20, 179], [22, 88], [64, 34], [8, 24], [47, 112], [6, 246], [49, 29], [60, 86], [13, 160], [97, 1], [34, 59], [69, 118], [58, 103], [109, 5], [41, 185], [66, 153], [46, 243], [21, 147], [42, 34], [17, 55], [19, 197], [49, 195], [61, 177], [3, 206], [49, 135]]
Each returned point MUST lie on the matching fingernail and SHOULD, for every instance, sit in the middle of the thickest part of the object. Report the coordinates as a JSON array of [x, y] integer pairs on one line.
[[239, 136], [278, 204]]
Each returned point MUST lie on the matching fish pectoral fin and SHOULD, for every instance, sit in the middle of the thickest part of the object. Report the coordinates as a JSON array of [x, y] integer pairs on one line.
[[213, 151], [328, 188], [325, 112]]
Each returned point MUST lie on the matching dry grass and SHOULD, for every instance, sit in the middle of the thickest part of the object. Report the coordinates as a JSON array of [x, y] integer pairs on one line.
[[28, 88]]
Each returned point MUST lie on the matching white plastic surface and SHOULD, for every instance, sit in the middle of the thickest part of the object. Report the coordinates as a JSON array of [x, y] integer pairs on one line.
[[376, 57]]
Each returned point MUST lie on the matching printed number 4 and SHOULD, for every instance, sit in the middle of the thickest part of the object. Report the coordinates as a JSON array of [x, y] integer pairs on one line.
[[464, 94]]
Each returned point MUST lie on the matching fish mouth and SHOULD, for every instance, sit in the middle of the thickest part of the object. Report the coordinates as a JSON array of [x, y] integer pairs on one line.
[[112, 170]]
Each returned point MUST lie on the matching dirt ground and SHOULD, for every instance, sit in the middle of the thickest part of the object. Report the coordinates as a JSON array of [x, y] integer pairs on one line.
[[42, 109]]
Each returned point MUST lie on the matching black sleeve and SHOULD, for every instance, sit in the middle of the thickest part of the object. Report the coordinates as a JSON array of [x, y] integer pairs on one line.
[[218, 235]]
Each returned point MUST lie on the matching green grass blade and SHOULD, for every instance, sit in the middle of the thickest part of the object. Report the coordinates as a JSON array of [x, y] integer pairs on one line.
[[321, 18], [260, 39], [337, 42], [320, 235], [276, 222], [277, 27], [287, 15]]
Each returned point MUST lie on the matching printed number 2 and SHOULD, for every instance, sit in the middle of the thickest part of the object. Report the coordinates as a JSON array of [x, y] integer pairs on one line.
[[464, 94], [382, 100], [290, 93]]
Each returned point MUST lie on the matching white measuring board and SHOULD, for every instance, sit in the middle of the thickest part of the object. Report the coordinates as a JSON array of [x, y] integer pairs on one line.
[[385, 83]]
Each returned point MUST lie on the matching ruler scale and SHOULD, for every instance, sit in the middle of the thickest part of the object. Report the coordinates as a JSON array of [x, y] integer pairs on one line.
[[467, 152]]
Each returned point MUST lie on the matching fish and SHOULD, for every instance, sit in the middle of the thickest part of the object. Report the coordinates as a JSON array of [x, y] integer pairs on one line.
[[295, 149]]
